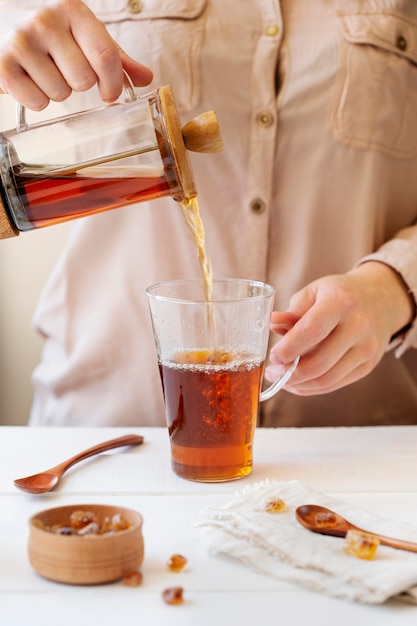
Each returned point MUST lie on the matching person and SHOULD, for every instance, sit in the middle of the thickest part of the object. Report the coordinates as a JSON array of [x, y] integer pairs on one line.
[[315, 192]]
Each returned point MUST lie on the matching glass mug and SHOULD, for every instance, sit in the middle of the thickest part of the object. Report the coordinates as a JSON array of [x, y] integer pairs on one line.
[[211, 357]]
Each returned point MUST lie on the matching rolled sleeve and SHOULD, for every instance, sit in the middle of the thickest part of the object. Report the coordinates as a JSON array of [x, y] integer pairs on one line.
[[401, 255]]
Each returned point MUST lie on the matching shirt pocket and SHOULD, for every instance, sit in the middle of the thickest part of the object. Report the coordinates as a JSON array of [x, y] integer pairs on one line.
[[374, 104], [165, 35]]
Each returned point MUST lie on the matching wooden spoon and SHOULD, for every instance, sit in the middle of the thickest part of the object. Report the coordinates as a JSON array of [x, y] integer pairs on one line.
[[331, 523], [46, 481]]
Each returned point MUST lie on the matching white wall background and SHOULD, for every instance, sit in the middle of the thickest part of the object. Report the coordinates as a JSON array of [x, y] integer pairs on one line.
[[25, 263]]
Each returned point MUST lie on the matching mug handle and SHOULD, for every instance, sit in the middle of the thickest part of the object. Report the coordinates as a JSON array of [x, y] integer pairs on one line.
[[280, 382], [128, 92]]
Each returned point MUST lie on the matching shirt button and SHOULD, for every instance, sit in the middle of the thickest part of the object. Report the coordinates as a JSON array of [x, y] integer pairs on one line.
[[135, 6], [258, 206], [401, 43], [272, 30], [265, 118]]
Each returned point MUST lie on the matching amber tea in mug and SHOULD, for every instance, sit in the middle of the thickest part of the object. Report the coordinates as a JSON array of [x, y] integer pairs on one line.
[[222, 390], [211, 359]]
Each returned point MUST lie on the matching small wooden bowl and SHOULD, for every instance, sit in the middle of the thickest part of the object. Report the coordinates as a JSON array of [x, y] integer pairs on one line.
[[89, 559]]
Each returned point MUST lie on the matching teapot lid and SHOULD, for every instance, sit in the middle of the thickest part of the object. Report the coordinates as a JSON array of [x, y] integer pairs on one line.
[[201, 134], [176, 142]]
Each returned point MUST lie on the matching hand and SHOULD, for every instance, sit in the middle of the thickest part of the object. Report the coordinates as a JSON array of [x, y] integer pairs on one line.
[[341, 326], [64, 48]]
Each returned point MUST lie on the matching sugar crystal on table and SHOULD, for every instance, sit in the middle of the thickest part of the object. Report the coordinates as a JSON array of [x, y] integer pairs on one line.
[[177, 562], [133, 579], [173, 595]]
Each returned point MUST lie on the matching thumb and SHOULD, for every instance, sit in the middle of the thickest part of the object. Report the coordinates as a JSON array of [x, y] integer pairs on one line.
[[139, 74]]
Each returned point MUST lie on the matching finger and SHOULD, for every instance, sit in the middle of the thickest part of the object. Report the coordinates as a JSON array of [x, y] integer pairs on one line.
[[83, 50], [282, 321], [328, 357], [316, 363], [140, 75], [63, 49], [108, 64], [106, 57], [310, 330], [322, 386], [79, 46], [29, 71], [39, 71], [16, 82], [351, 367]]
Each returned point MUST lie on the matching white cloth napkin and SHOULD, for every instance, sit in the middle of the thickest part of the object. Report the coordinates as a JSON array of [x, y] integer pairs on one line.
[[277, 545]]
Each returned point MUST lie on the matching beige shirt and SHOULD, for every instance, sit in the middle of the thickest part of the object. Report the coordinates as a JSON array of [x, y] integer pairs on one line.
[[317, 102]]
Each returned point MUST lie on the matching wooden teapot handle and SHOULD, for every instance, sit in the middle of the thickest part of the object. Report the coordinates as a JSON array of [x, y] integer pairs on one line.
[[7, 229]]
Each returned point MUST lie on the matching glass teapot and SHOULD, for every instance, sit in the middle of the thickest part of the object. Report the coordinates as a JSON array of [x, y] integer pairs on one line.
[[100, 159]]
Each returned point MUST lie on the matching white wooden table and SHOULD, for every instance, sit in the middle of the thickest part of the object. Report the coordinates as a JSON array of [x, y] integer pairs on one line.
[[371, 467]]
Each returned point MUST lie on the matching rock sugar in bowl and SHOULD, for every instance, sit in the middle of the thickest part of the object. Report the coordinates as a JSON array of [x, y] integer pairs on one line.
[[85, 544]]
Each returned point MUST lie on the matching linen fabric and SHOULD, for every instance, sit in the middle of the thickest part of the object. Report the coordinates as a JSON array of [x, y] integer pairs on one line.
[[275, 544]]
